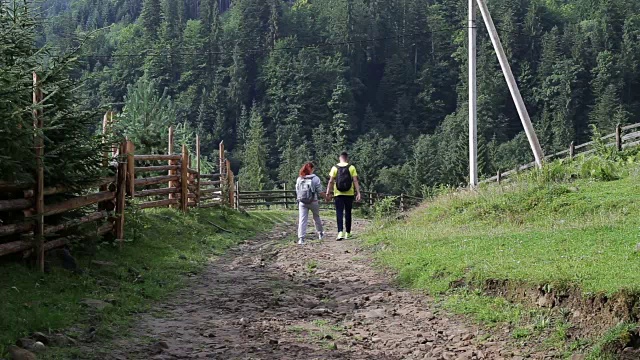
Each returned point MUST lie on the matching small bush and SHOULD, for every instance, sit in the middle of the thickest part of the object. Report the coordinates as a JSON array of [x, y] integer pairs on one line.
[[599, 168], [385, 207]]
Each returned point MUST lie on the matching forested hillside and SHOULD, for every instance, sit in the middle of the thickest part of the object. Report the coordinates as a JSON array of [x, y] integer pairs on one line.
[[285, 81]]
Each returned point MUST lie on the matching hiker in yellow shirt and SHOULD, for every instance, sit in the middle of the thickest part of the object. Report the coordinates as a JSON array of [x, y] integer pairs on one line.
[[343, 181]]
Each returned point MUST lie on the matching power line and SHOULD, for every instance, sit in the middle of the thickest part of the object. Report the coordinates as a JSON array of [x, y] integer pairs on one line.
[[318, 44], [150, 52]]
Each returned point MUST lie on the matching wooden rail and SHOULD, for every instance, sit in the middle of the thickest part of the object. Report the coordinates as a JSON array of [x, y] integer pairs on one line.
[[155, 168], [156, 180], [618, 139], [156, 157], [287, 198]]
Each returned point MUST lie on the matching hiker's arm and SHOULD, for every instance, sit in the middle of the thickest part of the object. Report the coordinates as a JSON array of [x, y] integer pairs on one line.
[[356, 183], [318, 187], [330, 188]]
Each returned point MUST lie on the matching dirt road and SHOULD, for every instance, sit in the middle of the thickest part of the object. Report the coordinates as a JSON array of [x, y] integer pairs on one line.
[[272, 299]]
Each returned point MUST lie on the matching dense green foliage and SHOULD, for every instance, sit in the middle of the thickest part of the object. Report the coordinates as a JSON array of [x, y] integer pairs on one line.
[[384, 79], [72, 154]]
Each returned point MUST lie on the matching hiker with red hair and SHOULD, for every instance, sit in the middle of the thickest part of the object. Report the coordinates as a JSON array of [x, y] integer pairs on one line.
[[308, 191]]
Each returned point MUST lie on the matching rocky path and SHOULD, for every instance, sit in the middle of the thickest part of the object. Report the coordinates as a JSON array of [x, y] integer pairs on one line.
[[271, 299]]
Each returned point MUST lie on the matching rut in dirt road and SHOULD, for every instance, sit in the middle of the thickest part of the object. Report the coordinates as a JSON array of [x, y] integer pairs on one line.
[[272, 299]]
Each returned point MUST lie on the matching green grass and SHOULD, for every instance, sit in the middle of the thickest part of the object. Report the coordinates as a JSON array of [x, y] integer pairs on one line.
[[614, 338], [522, 322], [484, 309], [312, 266], [163, 249], [582, 233]]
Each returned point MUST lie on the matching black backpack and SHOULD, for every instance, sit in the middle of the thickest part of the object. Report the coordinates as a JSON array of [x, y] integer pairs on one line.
[[344, 180]]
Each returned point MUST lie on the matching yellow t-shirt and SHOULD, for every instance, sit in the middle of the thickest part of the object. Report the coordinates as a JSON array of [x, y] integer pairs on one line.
[[334, 174]]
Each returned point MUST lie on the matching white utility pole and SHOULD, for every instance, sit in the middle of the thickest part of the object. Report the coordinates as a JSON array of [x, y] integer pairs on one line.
[[473, 97], [511, 82]]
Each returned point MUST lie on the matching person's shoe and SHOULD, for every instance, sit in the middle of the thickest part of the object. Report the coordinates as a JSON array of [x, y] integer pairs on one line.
[[301, 241], [347, 235], [340, 236], [320, 235]]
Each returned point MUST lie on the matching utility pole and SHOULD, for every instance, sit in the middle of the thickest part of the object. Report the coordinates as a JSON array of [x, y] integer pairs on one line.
[[473, 97], [511, 82]]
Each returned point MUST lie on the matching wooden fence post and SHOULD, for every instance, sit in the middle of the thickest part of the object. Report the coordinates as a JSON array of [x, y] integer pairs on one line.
[[105, 131], [223, 168], [198, 169], [184, 179], [499, 177], [171, 162], [221, 158], [105, 157], [121, 192], [38, 123], [114, 149], [618, 137], [402, 207], [232, 190], [237, 199], [131, 168], [228, 182], [286, 204], [572, 150]]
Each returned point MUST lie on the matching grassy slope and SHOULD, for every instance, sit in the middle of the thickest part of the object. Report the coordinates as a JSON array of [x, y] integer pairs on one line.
[[582, 233], [536, 231], [166, 247]]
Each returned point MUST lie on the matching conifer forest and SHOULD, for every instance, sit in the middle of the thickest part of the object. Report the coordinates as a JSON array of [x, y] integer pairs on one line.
[[283, 82]]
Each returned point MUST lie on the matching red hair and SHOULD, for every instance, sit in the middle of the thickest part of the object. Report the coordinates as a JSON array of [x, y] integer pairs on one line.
[[306, 169]]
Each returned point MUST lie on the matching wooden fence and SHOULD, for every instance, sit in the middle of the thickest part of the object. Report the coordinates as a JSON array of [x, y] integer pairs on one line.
[[624, 137], [138, 180], [172, 183], [25, 227], [287, 199]]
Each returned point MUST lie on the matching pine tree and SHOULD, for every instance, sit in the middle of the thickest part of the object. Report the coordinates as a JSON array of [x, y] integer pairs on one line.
[[371, 122], [125, 70], [242, 128], [424, 164], [238, 82], [325, 151], [274, 22], [254, 172], [17, 57], [630, 64], [292, 158], [371, 153], [151, 19], [606, 88], [212, 32], [72, 154], [146, 116], [341, 107]]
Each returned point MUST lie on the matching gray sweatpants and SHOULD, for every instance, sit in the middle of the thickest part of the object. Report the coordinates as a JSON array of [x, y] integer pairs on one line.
[[303, 217]]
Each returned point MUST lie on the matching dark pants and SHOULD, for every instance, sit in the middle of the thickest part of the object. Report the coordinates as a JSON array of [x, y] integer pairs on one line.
[[344, 205]]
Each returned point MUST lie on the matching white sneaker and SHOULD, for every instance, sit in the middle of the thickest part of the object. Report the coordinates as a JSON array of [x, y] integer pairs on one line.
[[321, 235], [340, 236], [301, 241]]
